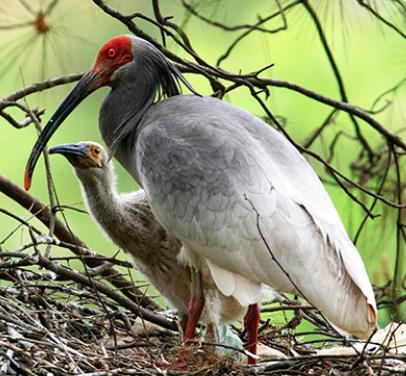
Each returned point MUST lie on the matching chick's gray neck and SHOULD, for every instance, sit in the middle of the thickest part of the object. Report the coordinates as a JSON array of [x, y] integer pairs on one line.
[[99, 190], [117, 216]]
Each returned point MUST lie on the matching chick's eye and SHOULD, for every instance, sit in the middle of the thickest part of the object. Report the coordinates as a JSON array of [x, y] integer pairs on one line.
[[111, 52], [96, 151]]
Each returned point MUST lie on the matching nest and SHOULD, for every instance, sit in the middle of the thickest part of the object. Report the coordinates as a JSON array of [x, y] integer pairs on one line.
[[53, 326]]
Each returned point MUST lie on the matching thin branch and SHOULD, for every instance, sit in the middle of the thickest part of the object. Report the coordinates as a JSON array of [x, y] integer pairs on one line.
[[399, 244], [328, 120], [336, 71], [40, 86], [125, 302], [380, 18], [243, 35], [375, 200], [252, 27]]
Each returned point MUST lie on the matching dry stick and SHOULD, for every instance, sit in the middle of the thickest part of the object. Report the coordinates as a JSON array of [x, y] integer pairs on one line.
[[23, 123], [380, 18], [184, 41], [375, 200], [21, 221], [35, 207], [334, 142], [108, 261], [41, 86], [162, 21], [144, 313], [243, 35], [301, 358], [391, 90], [399, 255], [252, 27], [11, 120], [388, 339], [296, 307], [319, 130]]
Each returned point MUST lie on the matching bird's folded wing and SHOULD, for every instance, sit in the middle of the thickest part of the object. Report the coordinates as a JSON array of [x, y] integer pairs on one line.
[[242, 197]]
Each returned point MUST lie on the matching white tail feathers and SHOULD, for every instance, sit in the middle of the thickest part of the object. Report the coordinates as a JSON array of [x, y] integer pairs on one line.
[[233, 284], [372, 323]]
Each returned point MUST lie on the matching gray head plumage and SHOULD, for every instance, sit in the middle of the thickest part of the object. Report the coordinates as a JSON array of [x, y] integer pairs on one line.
[[155, 77]]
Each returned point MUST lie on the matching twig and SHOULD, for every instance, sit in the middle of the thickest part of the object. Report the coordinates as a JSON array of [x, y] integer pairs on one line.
[[41, 86], [380, 18], [336, 71]]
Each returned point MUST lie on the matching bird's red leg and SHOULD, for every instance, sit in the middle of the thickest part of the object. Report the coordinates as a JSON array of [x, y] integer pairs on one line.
[[183, 319], [196, 305], [251, 322]]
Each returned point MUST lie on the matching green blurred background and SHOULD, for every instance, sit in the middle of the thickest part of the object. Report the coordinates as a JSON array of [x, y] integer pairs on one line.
[[371, 57]]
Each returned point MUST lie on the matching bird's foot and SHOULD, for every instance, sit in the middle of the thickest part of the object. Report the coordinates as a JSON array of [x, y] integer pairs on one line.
[[184, 356]]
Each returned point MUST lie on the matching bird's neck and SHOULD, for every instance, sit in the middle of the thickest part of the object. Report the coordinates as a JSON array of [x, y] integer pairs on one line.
[[121, 117], [134, 90], [99, 190]]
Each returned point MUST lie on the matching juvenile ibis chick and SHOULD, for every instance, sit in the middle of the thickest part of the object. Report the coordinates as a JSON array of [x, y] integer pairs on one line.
[[128, 221]]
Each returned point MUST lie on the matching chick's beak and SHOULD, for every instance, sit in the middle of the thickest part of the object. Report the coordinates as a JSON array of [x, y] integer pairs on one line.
[[67, 150], [90, 82]]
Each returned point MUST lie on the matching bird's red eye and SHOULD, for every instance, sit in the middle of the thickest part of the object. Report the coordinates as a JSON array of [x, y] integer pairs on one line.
[[111, 52]]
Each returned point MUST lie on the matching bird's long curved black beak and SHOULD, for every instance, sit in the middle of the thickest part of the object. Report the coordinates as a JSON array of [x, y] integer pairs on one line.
[[87, 84]]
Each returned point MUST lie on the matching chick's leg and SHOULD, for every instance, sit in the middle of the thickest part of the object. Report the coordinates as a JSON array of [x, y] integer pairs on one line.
[[196, 305]]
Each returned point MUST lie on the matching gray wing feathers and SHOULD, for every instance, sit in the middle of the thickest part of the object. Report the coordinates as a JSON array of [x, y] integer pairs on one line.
[[199, 172]]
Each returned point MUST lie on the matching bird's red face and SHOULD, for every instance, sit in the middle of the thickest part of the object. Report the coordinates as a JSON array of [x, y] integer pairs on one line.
[[112, 56], [116, 53]]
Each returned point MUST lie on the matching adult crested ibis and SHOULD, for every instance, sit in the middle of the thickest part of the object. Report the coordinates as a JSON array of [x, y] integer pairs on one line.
[[128, 221], [239, 196]]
